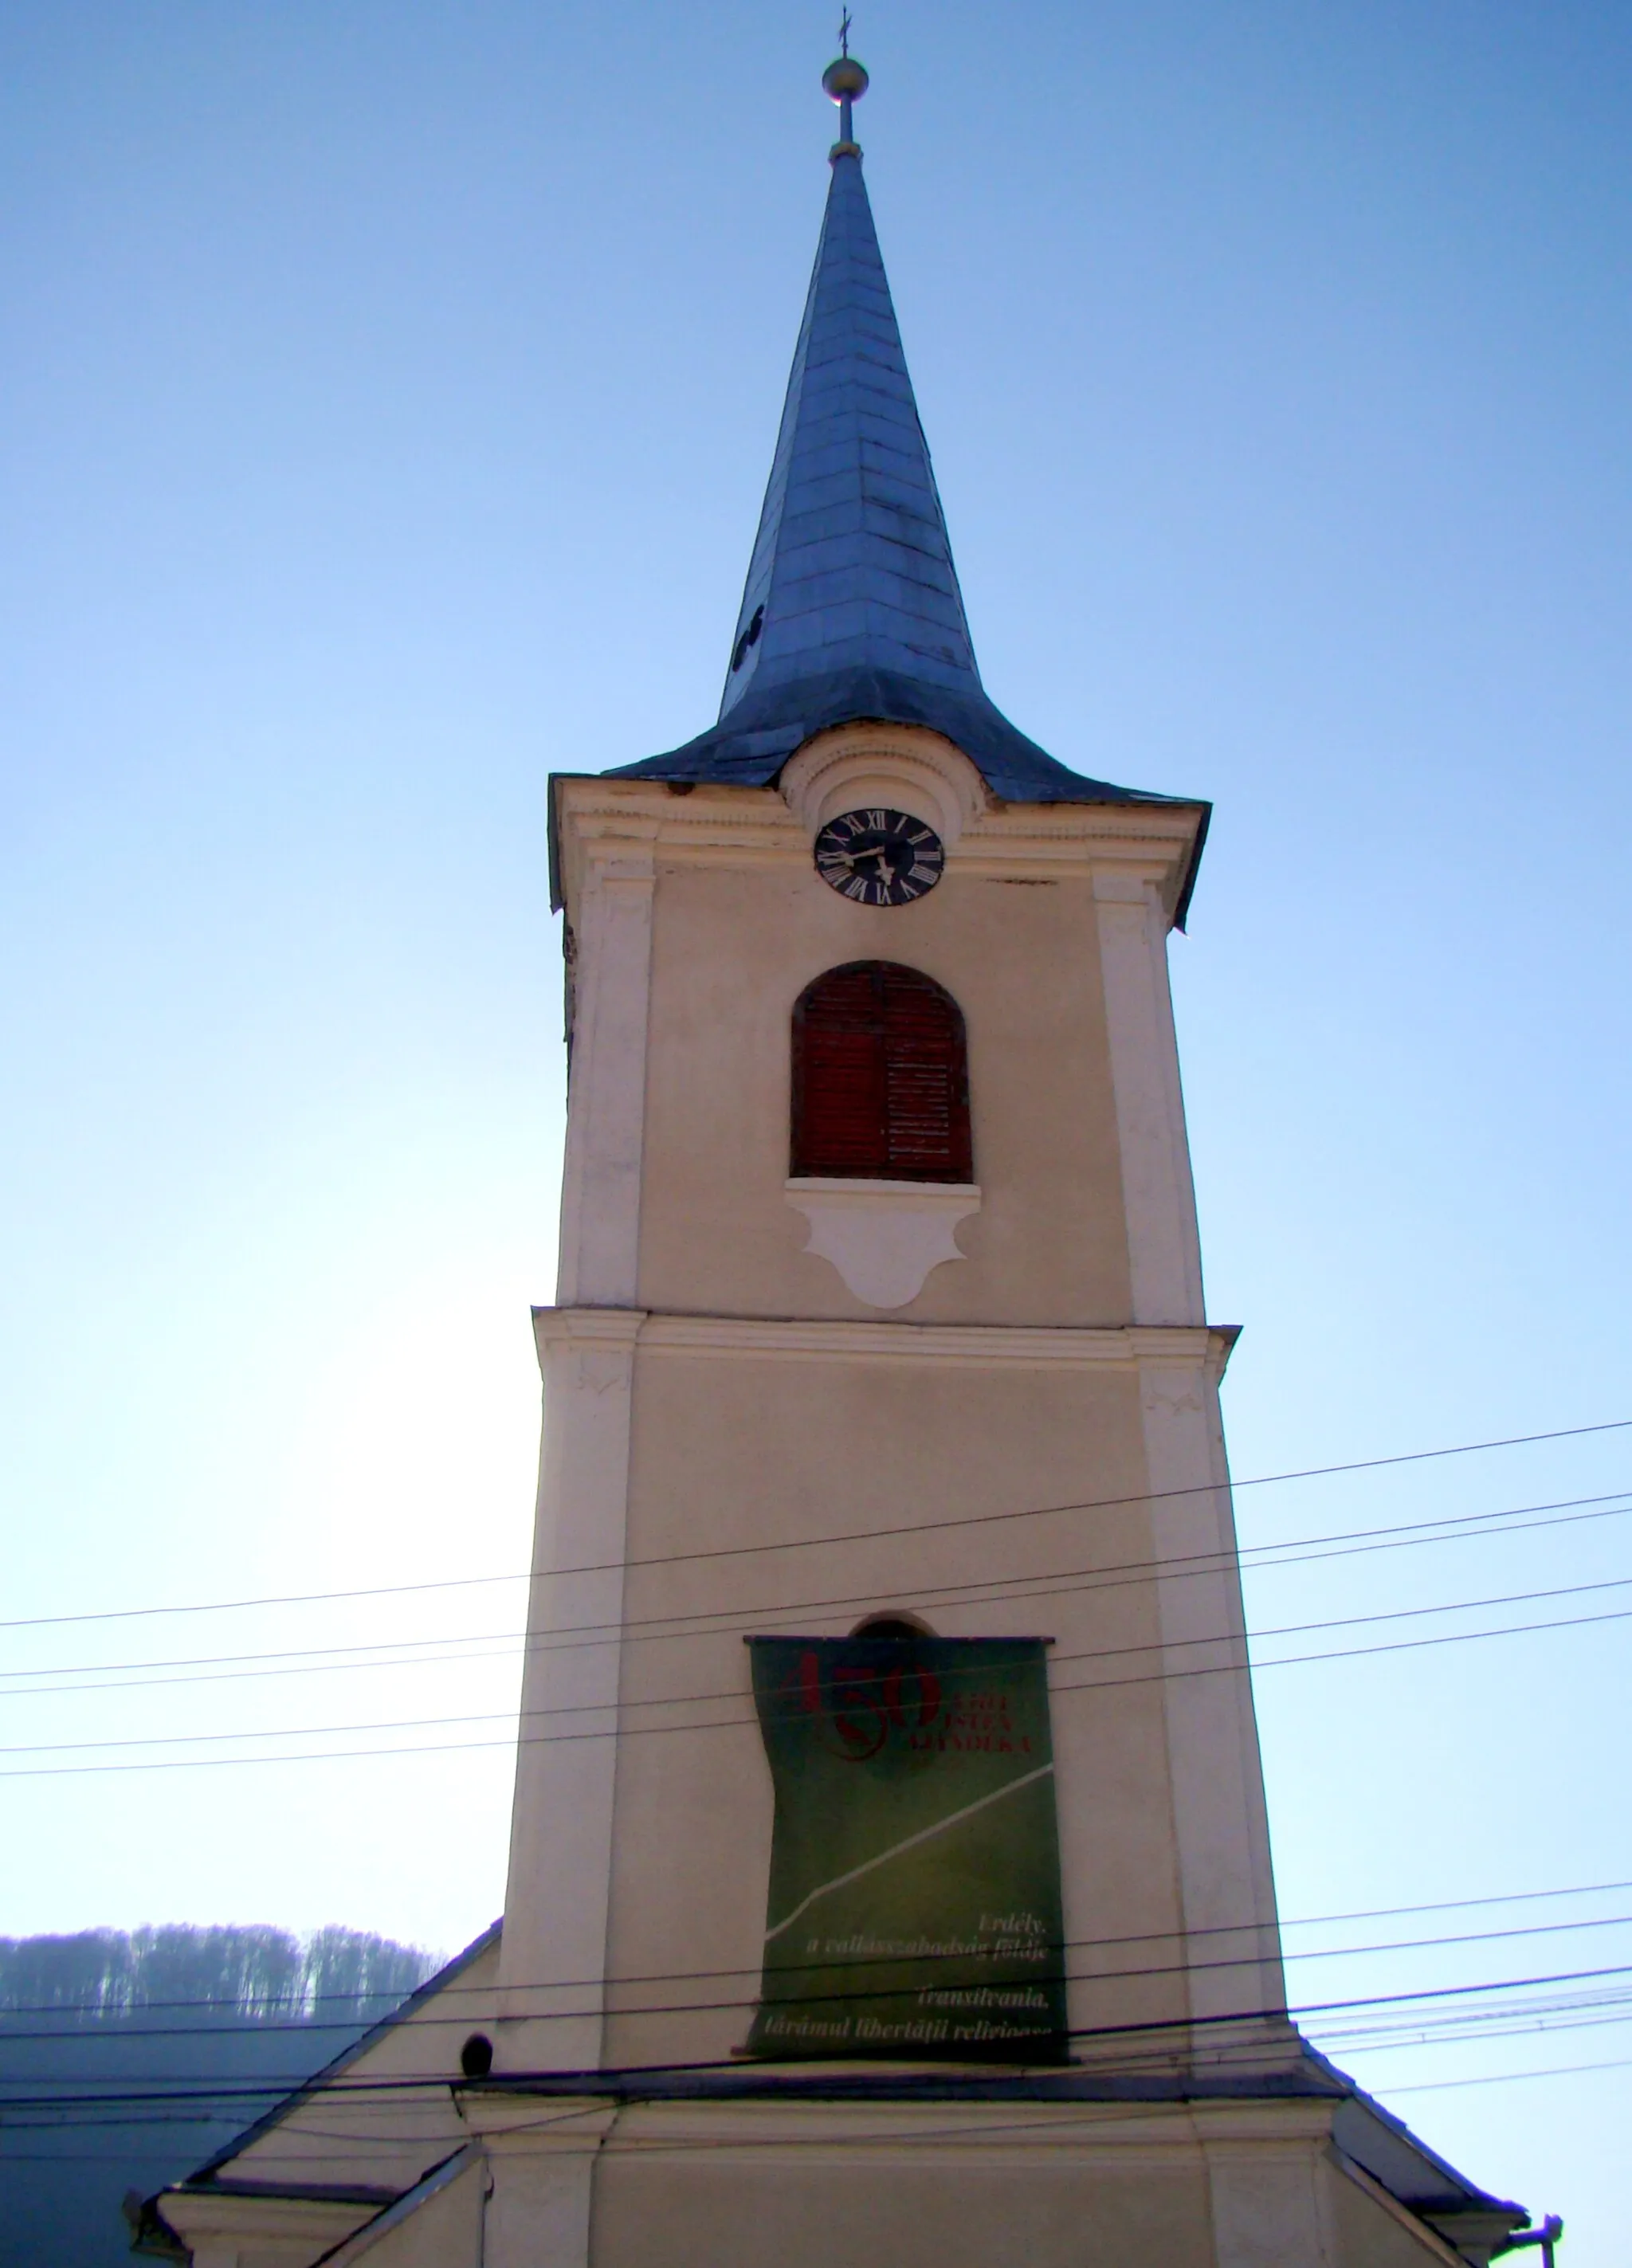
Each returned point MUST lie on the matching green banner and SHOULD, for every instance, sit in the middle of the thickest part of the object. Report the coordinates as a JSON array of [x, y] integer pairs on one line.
[[915, 1884]]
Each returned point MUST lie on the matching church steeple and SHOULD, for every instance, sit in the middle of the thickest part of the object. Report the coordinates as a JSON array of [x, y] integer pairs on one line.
[[852, 568], [851, 609], [879, 1344]]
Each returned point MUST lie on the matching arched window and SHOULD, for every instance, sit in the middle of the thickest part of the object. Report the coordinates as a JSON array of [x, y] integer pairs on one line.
[[881, 1077]]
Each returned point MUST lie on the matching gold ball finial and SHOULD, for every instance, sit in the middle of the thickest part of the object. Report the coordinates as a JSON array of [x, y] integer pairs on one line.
[[844, 80]]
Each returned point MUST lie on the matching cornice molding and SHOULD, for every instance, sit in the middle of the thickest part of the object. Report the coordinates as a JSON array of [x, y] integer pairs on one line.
[[1129, 1346], [604, 822], [586, 1327], [1115, 2134], [196, 2215]]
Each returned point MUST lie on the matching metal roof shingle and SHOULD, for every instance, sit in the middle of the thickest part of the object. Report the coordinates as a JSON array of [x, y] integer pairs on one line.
[[851, 608]]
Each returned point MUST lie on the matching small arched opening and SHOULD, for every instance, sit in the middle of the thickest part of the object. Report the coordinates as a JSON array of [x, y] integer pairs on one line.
[[904, 1626]]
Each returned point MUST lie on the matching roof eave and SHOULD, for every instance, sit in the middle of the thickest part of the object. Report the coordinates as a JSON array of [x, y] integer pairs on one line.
[[1120, 798], [207, 2173]]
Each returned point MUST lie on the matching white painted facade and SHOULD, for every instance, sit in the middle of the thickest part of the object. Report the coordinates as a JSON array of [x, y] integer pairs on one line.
[[701, 1352], [777, 1405]]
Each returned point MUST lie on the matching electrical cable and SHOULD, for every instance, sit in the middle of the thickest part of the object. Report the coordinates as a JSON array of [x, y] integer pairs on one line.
[[309, 2085], [1241, 1960], [1434, 2029], [1113, 1576], [1422, 2030], [673, 1977], [685, 1700], [1219, 1562], [808, 1543], [1504, 2078], [1129, 2031], [743, 1723], [1446, 2028], [1527, 2021], [332, 2135], [205, 2118]]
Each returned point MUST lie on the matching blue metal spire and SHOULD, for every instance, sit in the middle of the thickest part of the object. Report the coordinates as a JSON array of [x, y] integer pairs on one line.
[[852, 567], [851, 609]]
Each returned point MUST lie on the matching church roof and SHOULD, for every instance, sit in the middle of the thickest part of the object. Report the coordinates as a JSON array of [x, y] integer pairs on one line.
[[851, 608], [852, 567]]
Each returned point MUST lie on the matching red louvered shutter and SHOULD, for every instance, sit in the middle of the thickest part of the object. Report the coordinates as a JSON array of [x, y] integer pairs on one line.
[[927, 1101], [880, 1084], [838, 1077]]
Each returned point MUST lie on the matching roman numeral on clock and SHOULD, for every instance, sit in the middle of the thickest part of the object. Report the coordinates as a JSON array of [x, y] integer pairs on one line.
[[879, 857]]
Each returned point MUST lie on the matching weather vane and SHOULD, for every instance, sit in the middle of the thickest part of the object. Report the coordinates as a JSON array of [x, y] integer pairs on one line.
[[844, 33]]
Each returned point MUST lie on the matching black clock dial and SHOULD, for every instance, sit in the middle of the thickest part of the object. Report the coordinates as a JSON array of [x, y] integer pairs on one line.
[[879, 857]]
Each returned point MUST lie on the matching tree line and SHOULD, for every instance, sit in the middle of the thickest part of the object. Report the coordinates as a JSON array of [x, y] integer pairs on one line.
[[251, 1972]]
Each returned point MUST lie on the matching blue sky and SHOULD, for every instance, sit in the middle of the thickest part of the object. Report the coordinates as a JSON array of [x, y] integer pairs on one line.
[[389, 395]]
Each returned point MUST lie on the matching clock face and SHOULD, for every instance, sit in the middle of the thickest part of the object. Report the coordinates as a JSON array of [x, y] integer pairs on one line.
[[879, 857]]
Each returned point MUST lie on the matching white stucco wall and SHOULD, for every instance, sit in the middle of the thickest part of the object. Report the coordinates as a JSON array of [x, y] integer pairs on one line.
[[736, 1441], [1064, 1362]]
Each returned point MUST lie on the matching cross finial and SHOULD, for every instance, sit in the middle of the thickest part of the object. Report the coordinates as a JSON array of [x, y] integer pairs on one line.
[[846, 81]]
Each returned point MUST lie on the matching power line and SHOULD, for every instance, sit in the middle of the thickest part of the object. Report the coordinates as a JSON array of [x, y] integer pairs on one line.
[[685, 1700], [735, 1724], [1344, 2043], [307, 2087], [1464, 1527], [809, 1542], [1130, 2031], [1398, 2032], [739, 1724], [1433, 2028], [1246, 1958], [1504, 2078], [205, 2117], [675, 1976]]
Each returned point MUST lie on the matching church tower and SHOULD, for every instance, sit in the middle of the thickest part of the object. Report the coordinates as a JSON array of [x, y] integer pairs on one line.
[[880, 1294], [889, 1868], [887, 1735]]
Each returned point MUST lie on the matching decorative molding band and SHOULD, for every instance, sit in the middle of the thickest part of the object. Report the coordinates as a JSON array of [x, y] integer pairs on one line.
[[604, 821], [556, 1328], [1130, 1346], [1117, 2132]]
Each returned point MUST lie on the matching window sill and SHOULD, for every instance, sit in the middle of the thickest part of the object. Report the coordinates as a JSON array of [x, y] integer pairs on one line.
[[883, 1237]]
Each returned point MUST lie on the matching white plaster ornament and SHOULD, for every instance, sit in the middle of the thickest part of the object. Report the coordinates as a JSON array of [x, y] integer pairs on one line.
[[884, 1237]]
